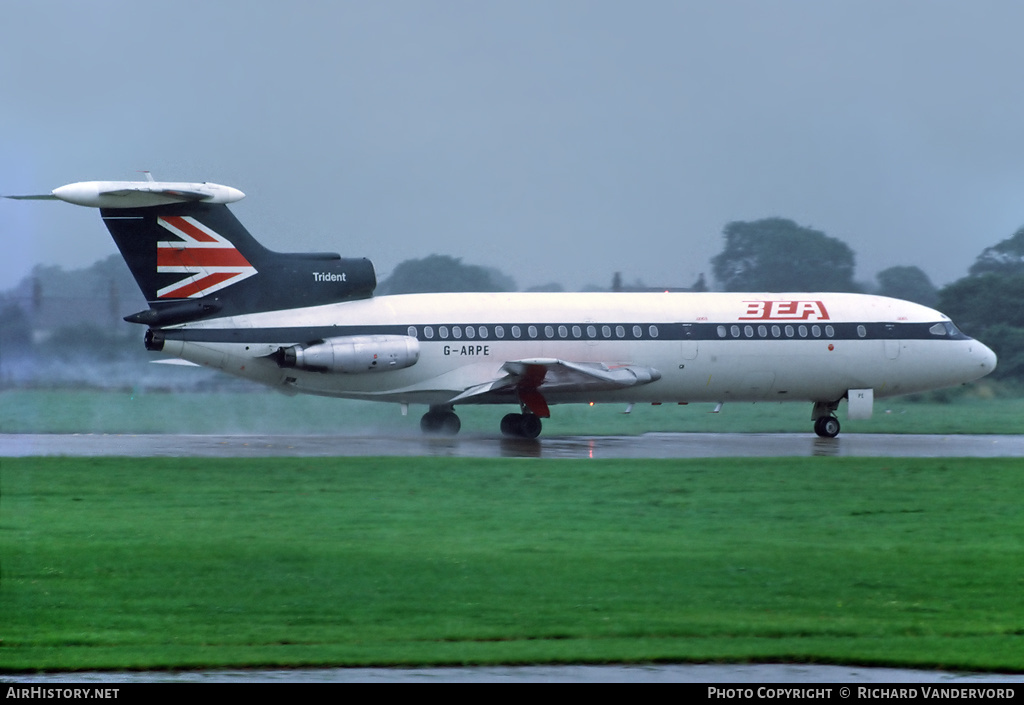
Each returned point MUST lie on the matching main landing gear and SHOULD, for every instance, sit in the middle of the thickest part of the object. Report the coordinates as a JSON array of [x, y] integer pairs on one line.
[[826, 424], [442, 421], [521, 425]]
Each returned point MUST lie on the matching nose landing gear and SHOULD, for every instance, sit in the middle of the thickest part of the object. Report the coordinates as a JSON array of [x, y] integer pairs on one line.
[[827, 426]]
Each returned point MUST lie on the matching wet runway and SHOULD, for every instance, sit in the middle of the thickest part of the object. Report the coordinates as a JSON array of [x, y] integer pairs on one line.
[[650, 445]]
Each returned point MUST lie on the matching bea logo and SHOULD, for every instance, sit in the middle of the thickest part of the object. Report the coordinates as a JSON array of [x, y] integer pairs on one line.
[[785, 311]]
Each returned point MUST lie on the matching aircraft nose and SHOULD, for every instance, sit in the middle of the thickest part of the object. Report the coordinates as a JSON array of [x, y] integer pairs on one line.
[[986, 358]]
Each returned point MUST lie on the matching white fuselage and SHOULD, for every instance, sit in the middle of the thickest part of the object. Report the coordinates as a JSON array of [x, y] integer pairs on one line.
[[713, 347]]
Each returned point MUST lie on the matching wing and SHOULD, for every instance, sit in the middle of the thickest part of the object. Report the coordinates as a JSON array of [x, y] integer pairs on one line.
[[531, 380]]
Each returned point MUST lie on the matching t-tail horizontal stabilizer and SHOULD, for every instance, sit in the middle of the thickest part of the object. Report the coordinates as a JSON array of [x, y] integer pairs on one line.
[[138, 194]]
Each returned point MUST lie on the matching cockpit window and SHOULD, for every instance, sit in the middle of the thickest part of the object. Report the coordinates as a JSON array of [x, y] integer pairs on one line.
[[938, 329]]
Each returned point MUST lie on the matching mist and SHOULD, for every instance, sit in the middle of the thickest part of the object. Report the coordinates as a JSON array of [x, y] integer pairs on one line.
[[557, 142]]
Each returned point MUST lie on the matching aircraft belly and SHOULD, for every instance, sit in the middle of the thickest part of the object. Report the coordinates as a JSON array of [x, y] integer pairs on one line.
[[798, 370]]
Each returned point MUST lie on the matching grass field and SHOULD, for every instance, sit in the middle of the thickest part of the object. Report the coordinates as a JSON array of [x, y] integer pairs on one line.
[[161, 563], [127, 411]]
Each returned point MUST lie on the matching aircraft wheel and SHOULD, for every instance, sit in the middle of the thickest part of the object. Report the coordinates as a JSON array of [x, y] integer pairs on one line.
[[450, 424], [445, 423], [430, 422], [510, 424], [521, 425], [530, 426], [827, 426]]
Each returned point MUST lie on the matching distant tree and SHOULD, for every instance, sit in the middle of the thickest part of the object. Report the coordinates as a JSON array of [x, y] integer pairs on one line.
[[978, 303], [549, 287], [15, 331], [700, 285], [1008, 344], [776, 254], [1007, 257], [909, 283], [438, 273], [88, 340], [499, 280], [990, 308]]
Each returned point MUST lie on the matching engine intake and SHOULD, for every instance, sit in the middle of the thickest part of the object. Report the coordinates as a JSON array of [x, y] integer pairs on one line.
[[356, 354]]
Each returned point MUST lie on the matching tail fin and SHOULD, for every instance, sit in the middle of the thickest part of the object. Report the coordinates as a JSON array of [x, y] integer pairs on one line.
[[193, 260]]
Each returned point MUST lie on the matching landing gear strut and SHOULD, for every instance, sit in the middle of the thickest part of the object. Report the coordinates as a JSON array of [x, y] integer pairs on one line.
[[441, 421], [521, 425]]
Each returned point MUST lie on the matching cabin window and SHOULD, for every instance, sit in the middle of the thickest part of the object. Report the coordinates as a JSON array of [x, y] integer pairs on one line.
[[411, 331], [532, 331], [499, 331], [482, 331], [591, 331], [620, 332], [830, 331], [816, 331], [606, 331], [637, 331], [653, 330], [456, 332], [443, 331], [428, 331], [762, 331], [789, 331], [721, 331], [577, 332], [563, 332], [517, 332], [862, 331], [803, 331], [776, 331], [470, 332], [735, 330]]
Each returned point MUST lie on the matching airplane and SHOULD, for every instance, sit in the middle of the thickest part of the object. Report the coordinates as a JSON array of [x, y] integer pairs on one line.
[[310, 323]]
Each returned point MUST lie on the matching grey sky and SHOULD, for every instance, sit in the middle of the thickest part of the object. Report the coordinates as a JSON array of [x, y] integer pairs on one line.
[[556, 140]]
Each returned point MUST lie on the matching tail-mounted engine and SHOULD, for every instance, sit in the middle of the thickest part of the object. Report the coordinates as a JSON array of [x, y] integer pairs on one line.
[[355, 354]]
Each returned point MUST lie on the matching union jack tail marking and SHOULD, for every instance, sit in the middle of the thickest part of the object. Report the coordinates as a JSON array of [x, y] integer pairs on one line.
[[210, 260]]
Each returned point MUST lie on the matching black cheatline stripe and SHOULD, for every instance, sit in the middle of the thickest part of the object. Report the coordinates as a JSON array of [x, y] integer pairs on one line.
[[666, 332]]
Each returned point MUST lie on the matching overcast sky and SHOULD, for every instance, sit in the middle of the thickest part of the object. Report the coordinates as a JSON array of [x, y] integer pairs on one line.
[[556, 140]]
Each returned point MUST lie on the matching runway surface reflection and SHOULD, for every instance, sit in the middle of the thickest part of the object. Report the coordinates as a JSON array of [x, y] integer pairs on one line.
[[651, 445]]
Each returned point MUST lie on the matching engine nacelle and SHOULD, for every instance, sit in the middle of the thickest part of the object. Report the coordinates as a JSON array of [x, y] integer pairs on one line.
[[354, 354]]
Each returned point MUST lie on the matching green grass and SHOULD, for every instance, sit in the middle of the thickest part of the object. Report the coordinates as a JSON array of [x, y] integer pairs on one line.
[[82, 411], [173, 563]]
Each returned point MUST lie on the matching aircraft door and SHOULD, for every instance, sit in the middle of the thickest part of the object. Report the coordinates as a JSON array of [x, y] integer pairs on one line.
[[688, 347], [892, 343]]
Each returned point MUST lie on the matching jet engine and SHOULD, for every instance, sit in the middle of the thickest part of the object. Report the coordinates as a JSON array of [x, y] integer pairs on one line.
[[354, 354]]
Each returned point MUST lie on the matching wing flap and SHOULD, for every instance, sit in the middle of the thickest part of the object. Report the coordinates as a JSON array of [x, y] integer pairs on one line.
[[531, 379]]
